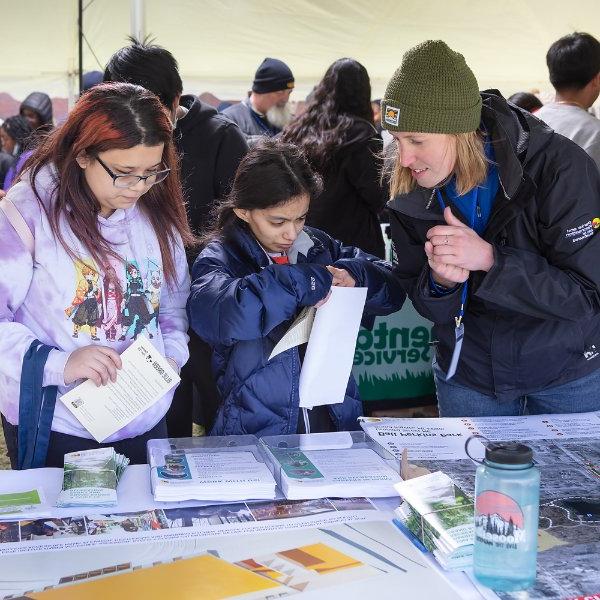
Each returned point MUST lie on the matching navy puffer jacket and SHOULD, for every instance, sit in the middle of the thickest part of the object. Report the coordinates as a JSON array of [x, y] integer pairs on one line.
[[242, 304]]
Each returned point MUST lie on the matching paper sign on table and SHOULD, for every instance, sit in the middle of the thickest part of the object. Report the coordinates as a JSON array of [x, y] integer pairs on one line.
[[145, 378], [330, 352]]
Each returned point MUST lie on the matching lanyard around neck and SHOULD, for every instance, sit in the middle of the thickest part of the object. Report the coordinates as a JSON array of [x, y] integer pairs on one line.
[[463, 298], [261, 122]]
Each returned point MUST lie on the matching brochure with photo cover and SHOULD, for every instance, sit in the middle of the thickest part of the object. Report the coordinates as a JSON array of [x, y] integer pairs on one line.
[[224, 469], [440, 514], [308, 466], [91, 478]]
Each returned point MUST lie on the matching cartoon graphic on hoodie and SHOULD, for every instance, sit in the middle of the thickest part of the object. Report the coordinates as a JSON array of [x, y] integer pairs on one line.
[[136, 313], [154, 285], [85, 306], [112, 304]]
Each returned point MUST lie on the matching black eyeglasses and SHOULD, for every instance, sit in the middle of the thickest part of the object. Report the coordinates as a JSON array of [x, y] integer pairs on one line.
[[129, 181]]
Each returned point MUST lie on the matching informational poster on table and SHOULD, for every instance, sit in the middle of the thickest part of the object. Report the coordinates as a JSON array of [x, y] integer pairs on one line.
[[393, 360]]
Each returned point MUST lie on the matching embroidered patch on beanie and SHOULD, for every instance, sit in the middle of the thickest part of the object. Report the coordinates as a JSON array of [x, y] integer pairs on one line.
[[392, 115]]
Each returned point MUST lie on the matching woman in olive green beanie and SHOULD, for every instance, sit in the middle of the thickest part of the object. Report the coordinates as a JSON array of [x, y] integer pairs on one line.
[[492, 222]]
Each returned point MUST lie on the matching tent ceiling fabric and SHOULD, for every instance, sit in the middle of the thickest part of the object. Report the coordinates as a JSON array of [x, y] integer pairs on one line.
[[219, 43]]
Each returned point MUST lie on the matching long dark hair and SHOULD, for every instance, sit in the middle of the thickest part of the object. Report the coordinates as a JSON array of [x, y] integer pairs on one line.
[[272, 173], [343, 93], [110, 116]]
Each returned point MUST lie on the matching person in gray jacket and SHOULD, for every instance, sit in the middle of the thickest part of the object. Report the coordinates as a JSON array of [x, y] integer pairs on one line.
[[574, 66], [265, 112]]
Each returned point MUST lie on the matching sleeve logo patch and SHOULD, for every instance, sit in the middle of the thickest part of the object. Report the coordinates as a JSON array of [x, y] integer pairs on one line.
[[391, 115], [583, 231]]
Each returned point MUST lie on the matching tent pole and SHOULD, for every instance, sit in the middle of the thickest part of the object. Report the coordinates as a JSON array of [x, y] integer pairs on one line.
[[137, 27], [80, 40]]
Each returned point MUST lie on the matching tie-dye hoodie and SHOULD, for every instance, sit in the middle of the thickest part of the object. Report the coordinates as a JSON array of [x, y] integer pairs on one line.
[[70, 304]]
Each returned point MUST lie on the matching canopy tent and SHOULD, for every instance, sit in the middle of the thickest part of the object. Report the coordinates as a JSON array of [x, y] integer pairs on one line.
[[219, 43]]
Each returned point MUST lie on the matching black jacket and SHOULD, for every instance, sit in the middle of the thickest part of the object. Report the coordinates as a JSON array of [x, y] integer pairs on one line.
[[211, 147], [242, 304], [533, 321], [42, 105], [353, 197]]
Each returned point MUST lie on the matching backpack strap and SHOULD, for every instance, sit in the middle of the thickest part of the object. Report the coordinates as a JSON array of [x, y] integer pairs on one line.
[[36, 408], [15, 218]]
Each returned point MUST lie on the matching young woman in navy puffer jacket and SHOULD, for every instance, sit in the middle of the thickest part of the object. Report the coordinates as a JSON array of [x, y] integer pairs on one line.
[[260, 267]]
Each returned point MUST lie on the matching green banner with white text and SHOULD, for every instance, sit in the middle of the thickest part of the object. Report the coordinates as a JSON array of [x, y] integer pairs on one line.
[[393, 360]]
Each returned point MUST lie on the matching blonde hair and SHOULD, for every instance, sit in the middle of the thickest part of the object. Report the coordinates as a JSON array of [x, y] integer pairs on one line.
[[470, 168]]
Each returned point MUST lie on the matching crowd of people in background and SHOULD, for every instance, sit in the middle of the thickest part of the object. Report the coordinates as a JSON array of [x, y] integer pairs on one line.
[[488, 210]]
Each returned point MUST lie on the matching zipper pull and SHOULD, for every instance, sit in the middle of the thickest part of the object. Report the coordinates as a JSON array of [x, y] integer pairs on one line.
[[430, 199], [478, 210]]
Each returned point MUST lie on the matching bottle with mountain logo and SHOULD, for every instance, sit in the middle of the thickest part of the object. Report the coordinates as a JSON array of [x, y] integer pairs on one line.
[[507, 497]]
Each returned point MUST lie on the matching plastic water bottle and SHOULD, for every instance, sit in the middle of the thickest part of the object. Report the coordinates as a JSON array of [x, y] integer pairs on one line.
[[507, 497]]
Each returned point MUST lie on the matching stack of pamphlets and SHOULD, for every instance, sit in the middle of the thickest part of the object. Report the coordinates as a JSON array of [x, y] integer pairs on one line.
[[307, 467], [193, 470], [440, 515], [91, 478]]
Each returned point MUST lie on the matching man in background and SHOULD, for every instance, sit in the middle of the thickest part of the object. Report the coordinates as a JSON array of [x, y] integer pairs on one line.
[[265, 112], [574, 66]]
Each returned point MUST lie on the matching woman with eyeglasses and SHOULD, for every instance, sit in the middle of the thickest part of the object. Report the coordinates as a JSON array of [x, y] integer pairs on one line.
[[102, 199]]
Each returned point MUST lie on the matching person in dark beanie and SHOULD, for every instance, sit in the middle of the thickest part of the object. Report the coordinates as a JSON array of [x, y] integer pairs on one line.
[[574, 67], [15, 134], [211, 147], [495, 224], [265, 112], [37, 109]]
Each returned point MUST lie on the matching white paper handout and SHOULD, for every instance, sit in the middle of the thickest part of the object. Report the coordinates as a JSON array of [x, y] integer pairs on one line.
[[330, 352], [145, 378]]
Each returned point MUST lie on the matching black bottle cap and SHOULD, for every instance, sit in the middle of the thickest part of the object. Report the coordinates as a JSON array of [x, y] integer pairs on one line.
[[509, 453]]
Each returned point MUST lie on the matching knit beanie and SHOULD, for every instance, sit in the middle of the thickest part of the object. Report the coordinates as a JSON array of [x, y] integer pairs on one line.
[[433, 91], [272, 75]]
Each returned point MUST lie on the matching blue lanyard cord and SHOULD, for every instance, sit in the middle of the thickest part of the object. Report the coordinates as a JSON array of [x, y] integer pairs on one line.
[[475, 208]]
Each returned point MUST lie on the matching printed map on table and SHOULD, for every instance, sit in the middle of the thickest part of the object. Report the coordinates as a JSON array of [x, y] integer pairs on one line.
[[566, 449]]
